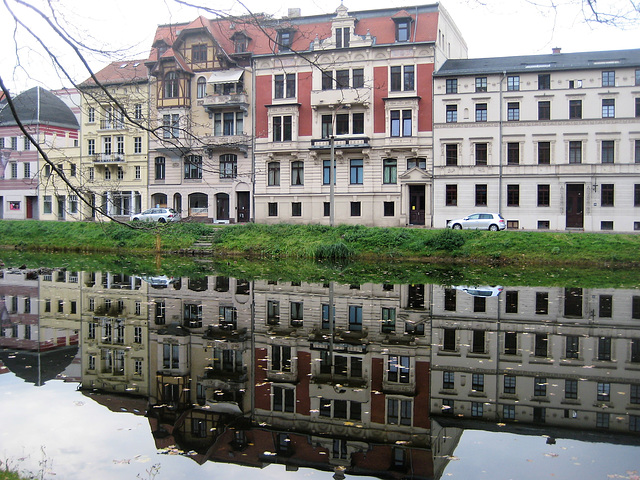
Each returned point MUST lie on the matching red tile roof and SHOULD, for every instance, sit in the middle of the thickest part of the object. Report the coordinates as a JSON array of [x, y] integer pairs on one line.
[[124, 71]]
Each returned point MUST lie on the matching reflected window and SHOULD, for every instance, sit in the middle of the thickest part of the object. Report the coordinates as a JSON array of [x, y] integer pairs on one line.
[[325, 316], [604, 348], [541, 345], [450, 299], [222, 284], [635, 350], [540, 387], [477, 382], [416, 296], [572, 346], [571, 389], [573, 302], [388, 320], [355, 317], [604, 392], [605, 308], [542, 303], [273, 312], [398, 369], [447, 406], [509, 412], [198, 284], [283, 399], [511, 303], [476, 409], [242, 287], [510, 384], [449, 343], [510, 343], [281, 358], [399, 412], [539, 414], [159, 312], [478, 344], [448, 380], [479, 304]]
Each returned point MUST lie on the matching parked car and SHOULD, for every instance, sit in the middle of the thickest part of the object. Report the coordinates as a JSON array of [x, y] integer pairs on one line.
[[479, 221], [158, 214], [480, 291]]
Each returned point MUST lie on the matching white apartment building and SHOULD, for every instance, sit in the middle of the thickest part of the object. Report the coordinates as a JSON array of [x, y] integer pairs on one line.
[[552, 142]]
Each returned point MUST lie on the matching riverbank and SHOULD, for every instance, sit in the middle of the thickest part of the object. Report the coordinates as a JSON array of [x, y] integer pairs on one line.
[[324, 242]]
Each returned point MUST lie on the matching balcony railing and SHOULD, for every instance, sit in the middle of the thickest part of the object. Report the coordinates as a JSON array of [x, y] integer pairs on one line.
[[111, 124], [340, 142], [109, 158], [216, 101]]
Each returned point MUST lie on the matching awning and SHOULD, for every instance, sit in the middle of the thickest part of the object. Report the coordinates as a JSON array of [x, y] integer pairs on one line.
[[226, 76]]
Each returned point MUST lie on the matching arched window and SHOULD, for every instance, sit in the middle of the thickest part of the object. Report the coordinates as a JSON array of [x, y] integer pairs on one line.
[[202, 87], [274, 173], [171, 85]]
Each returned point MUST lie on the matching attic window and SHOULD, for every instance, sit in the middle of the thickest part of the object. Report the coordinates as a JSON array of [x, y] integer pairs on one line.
[[403, 28], [285, 38], [136, 64], [123, 65], [343, 37]]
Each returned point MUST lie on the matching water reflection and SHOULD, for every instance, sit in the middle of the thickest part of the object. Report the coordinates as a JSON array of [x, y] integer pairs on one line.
[[370, 379]]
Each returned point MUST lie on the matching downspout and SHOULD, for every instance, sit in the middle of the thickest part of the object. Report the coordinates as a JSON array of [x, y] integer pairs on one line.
[[252, 217], [501, 120]]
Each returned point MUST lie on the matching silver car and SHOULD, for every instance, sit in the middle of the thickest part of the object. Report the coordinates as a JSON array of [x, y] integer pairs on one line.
[[158, 214], [479, 221]]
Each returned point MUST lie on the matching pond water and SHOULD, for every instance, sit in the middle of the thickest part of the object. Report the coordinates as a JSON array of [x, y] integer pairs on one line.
[[106, 375]]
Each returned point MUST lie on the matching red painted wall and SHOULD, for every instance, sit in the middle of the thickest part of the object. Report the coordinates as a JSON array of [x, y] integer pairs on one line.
[[305, 118], [425, 91], [263, 98], [380, 90]]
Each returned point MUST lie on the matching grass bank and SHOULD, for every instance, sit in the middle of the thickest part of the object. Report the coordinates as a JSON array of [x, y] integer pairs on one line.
[[321, 242]]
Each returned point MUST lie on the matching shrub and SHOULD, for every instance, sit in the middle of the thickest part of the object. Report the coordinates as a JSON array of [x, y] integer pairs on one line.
[[446, 240]]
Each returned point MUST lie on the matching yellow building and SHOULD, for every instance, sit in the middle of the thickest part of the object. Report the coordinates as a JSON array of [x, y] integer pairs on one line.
[[114, 140]]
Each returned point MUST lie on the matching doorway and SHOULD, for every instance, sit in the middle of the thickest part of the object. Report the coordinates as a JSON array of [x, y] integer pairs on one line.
[[575, 205], [416, 204], [243, 207]]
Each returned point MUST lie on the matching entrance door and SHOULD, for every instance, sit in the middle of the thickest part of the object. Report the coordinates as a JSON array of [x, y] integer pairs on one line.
[[575, 205], [61, 208], [222, 206], [243, 207], [31, 202], [416, 204]]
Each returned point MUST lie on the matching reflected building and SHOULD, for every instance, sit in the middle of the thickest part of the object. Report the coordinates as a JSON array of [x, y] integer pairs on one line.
[[563, 357]]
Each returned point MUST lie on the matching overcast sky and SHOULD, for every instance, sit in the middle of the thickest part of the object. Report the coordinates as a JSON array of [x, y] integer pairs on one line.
[[499, 28]]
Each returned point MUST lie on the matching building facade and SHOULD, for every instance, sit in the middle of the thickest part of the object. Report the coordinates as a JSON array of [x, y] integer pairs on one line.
[[549, 141], [354, 89]]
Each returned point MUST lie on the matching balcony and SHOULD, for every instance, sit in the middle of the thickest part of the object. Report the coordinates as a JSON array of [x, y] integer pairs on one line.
[[340, 142], [109, 158], [111, 125], [340, 97], [214, 102]]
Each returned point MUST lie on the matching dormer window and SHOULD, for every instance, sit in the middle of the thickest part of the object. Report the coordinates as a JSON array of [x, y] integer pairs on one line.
[[199, 53], [171, 85], [285, 38], [240, 44], [403, 27], [343, 36]]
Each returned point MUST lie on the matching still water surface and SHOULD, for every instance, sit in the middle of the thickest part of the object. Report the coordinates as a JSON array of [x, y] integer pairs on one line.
[[105, 375]]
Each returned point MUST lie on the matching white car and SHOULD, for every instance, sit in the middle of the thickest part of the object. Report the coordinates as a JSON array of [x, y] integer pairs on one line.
[[480, 291], [479, 221], [158, 214]]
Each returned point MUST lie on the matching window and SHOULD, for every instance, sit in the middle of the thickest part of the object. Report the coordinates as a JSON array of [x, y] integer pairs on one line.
[[513, 195], [481, 153], [481, 112], [513, 153], [297, 173], [171, 126], [201, 87], [513, 83], [399, 412], [452, 85], [91, 114], [637, 151], [228, 166], [342, 79], [296, 209], [608, 108], [273, 178], [452, 114], [198, 53], [358, 77], [476, 409], [544, 81], [356, 209], [604, 348], [544, 153], [343, 37], [399, 368], [159, 168], [192, 167], [544, 110], [637, 107], [92, 174], [403, 30], [544, 195], [539, 387], [451, 195], [26, 144], [606, 195], [389, 170], [513, 111], [575, 151], [342, 124], [541, 346], [107, 173], [420, 163], [327, 80], [356, 171], [481, 195], [47, 204], [572, 346], [575, 109], [481, 84], [137, 145], [228, 123], [509, 412], [450, 299], [510, 384], [388, 320], [510, 343], [609, 78], [14, 170], [273, 209], [282, 128], [138, 172], [284, 40], [402, 78], [400, 123], [511, 302], [607, 148], [451, 154], [284, 85], [477, 382], [14, 143], [171, 85], [478, 343], [137, 113], [355, 317], [91, 147], [389, 209], [448, 380], [604, 392], [326, 172], [27, 169], [283, 400]]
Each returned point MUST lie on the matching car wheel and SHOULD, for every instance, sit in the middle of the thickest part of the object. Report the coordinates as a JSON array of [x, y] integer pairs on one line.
[[162, 220], [457, 226], [136, 219], [493, 228]]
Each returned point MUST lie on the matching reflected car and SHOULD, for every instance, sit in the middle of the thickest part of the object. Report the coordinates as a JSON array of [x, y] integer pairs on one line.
[[479, 221], [480, 291], [158, 282], [158, 214]]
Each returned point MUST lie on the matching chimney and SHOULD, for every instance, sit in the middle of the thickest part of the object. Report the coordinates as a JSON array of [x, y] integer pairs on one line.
[[556, 50], [294, 12]]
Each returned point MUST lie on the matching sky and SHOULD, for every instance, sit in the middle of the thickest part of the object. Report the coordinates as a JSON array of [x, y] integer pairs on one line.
[[124, 30]]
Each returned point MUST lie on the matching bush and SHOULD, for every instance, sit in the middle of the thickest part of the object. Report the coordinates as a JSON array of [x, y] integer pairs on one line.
[[446, 240]]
